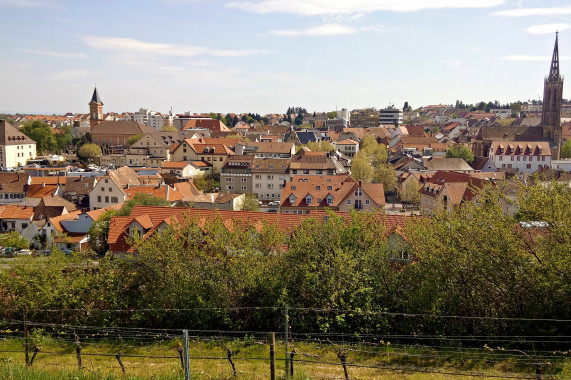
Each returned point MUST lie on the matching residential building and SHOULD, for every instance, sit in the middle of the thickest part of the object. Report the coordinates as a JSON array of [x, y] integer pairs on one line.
[[153, 119], [390, 115], [195, 150], [185, 169], [15, 218], [109, 190], [13, 187], [338, 193], [15, 147], [265, 149], [269, 176], [76, 190], [447, 190], [347, 147], [365, 118], [306, 162], [236, 175], [522, 156], [447, 164]]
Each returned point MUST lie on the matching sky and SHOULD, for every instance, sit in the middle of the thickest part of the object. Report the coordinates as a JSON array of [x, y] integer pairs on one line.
[[262, 56]]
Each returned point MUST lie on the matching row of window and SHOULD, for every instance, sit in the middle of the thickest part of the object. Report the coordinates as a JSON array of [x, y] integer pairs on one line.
[[113, 199], [539, 158], [230, 187]]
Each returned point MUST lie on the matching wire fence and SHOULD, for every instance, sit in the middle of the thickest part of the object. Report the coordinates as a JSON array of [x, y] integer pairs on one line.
[[252, 354]]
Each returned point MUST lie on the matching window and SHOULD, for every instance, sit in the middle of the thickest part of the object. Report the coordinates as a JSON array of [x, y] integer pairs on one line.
[[367, 202], [270, 176], [293, 187], [258, 185], [500, 158], [258, 176], [243, 187], [114, 200], [329, 188], [102, 189], [99, 198], [308, 199], [229, 179], [348, 201], [306, 172], [319, 171], [512, 157], [542, 158], [319, 200], [317, 187], [244, 179], [358, 192], [230, 187], [110, 189], [528, 166], [295, 172], [106, 199], [329, 200], [270, 185]]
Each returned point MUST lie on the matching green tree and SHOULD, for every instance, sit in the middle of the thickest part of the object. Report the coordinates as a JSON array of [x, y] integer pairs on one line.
[[169, 128], [361, 169], [64, 137], [385, 173], [566, 149], [133, 139], [460, 151], [250, 203], [320, 146], [141, 199], [42, 134], [332, 115], [409, 193], [206, 182], [99, 231], [89, 151], [13, 239]]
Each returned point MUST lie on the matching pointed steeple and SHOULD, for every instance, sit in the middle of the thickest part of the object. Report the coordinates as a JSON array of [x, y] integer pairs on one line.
[[554, 71], [95, 98]]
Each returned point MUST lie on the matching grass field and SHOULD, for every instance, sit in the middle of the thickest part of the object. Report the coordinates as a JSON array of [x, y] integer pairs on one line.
[[208, 360]]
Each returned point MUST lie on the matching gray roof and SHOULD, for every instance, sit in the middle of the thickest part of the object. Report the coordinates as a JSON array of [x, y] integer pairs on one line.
[[95, 98]]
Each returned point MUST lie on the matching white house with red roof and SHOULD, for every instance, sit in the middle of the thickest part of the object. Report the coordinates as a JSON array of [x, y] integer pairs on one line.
[[525, 156]]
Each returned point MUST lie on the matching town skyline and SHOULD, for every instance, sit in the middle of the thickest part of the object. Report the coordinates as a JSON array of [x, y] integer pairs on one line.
[[262, 56]]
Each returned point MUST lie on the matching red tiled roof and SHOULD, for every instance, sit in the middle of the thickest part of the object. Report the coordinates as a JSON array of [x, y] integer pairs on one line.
[[118, 231], [16, 212]]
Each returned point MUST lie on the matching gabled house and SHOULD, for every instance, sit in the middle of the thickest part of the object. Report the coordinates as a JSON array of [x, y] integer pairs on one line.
[[15, 147], [145, 221], [76, 190], [265, 149], [347, 147], [307, 162], [522, 156], [108, 191], [447, 190], [15, 218], [13, 187], [338, 193], [195, 150]]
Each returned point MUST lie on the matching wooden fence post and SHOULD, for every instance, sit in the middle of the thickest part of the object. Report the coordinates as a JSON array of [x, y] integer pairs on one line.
[[272, 356], [118, 357], [343, 357], [291, 358], [78, 354], [186, 355], [36, 350], [229, 353]]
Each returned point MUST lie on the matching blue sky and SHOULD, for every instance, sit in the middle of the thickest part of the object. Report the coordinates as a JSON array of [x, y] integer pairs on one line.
[[265, 55]]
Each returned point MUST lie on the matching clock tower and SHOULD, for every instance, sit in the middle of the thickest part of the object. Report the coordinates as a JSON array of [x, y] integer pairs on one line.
[[95, 109]]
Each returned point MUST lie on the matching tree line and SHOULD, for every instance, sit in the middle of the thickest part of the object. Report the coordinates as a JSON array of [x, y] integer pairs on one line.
[[473, 261]]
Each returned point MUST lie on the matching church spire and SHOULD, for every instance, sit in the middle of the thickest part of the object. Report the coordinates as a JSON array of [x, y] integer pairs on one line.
[[554, 71], [95, 98]]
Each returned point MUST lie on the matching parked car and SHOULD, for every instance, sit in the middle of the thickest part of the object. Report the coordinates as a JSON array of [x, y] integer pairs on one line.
[[23, 252]]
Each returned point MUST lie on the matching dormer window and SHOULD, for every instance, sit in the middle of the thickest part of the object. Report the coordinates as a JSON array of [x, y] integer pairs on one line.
[[308, 199], [292, 199], [317, 187], [329, 187], [329, 199]]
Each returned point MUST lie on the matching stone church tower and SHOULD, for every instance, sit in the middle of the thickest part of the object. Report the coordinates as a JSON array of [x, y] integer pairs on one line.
[[552, 96], [95, 109]]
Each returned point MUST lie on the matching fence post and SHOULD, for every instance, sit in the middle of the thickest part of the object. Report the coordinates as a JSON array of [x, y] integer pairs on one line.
[[343, 357], [286, 342], [36, 350], [229, 354], [78, 353], [272, 356], [186, 355], [26, 344], [291, 357], [118, 357]]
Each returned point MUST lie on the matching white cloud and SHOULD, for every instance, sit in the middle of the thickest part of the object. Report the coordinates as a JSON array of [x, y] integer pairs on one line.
[[547, 28], [328, 30], [54, 53], [332, 7], [129, 45], [30, 4], [523, 12], [453, 63], [72, 75], [532, 58]]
